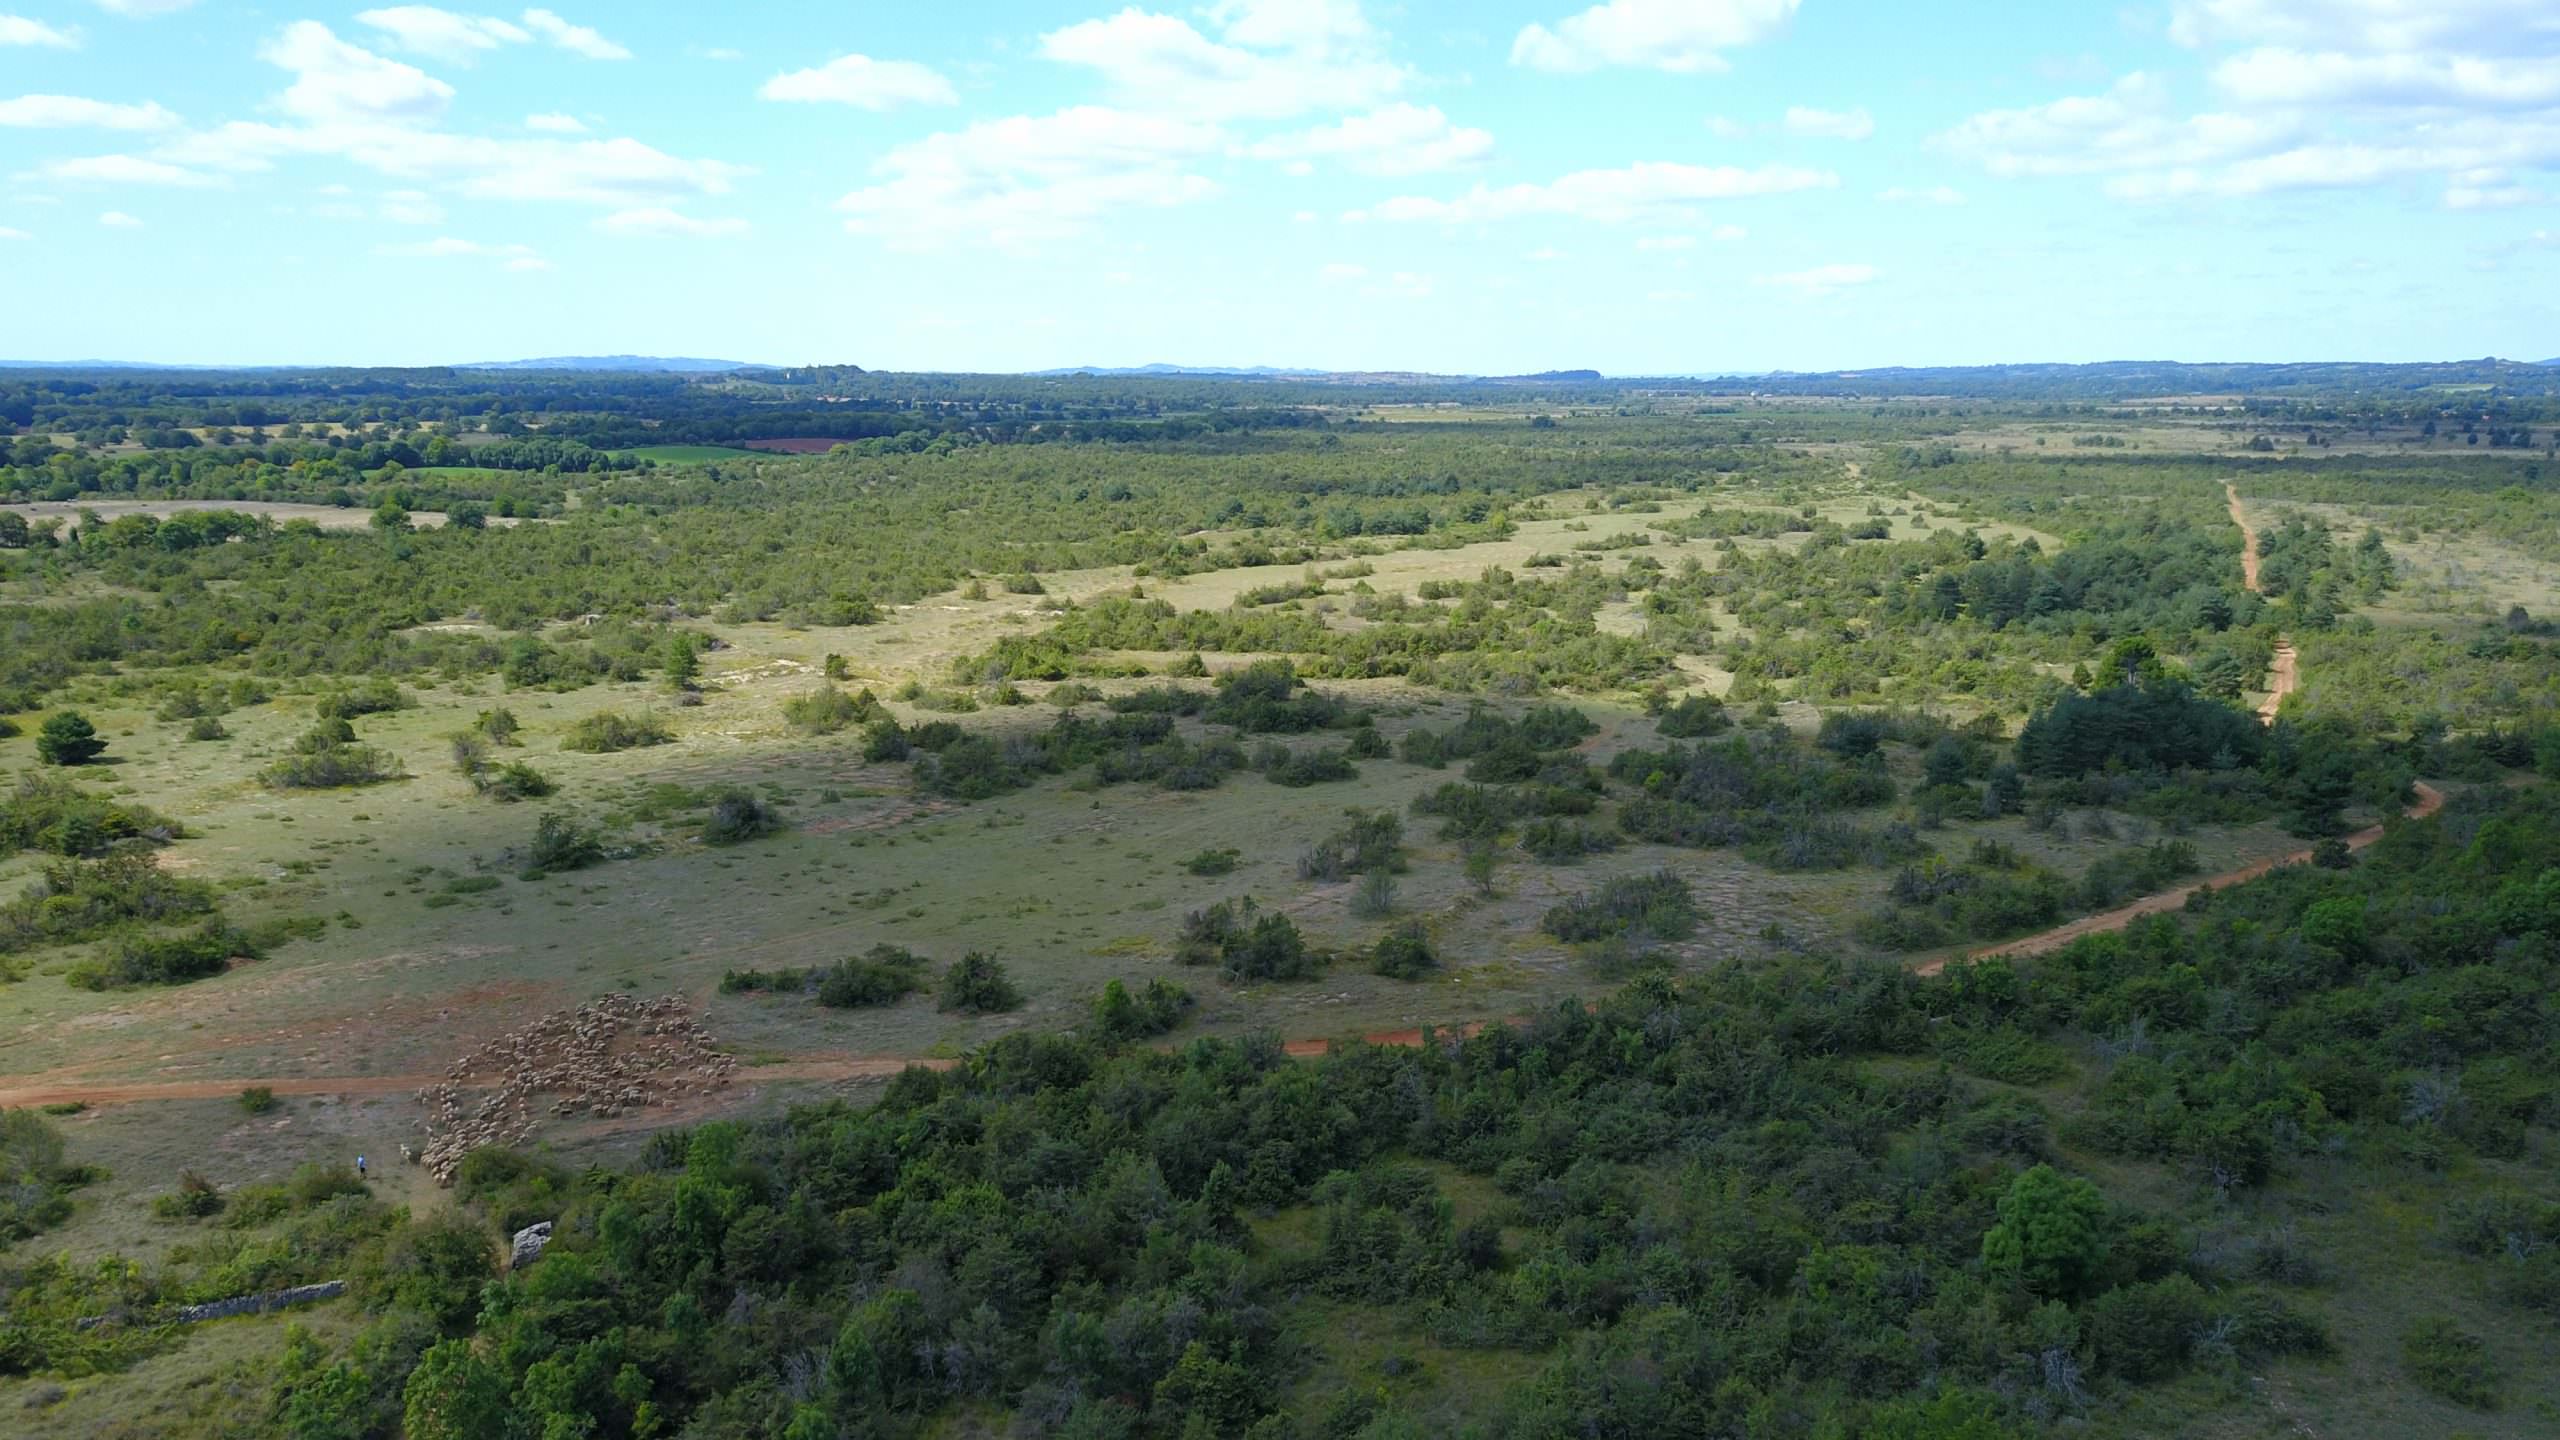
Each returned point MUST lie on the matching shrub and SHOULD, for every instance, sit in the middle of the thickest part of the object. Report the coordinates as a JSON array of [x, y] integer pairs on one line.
[[1072, 693], [2450, 1362], [1214, 862], [207, 728], [76, 899], [1122, 1017], [884, 975], [561, 843], [1373, 841], [1695, 717], [1376, 897], [979, 985], [1311, 767], [53, 814], [1247, 945], [1659, 904], [194, 1199], [327, 757], [2051, 1236], [607, 731], [68, 739], [257, 1100], [498, 726], [369, 697], [1404, 953], [826, 710], [1562, 842], [884, 740], [2145, 1332], [513, 781], [163, 959], [739, 815]]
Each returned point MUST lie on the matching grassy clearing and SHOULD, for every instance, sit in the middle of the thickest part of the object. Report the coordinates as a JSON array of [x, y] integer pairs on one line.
[[686, 454]]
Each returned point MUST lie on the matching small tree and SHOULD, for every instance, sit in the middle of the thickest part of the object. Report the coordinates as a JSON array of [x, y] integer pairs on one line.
[[2051, 1237], [684, 667], [979, 985], [68, 739]]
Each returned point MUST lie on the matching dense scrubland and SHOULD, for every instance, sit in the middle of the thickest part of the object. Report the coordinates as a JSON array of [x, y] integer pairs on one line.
[[1674, 733]]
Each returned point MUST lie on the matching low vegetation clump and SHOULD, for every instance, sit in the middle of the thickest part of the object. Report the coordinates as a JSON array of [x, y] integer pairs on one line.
[[1659, 905], [607, 731], [1214, 862], [560, 842], [36, 1181], [164, 959], [328, 757], [367, 697], [55, 815], [1246, 944], [1404, 953], [977, 984], [74, 900], [738, 815], [2448, 1361], [1372, 841], [1121, 1017], [194, 1199], [827, 710], [506, 781], [1694, 718]]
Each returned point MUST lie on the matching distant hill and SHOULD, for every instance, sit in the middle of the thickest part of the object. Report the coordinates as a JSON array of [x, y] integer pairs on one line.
[[1219, 372], [658, 364]]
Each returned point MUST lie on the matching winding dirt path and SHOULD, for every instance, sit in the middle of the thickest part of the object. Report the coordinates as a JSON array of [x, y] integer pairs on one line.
[[2283, 674]]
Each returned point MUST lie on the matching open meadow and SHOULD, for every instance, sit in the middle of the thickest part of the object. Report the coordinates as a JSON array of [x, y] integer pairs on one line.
[[988, 816]]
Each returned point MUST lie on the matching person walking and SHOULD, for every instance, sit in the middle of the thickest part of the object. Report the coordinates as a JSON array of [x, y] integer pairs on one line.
[[359, 1167]]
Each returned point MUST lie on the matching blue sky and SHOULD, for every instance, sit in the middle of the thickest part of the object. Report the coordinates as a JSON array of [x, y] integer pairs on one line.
[[1641, 186]]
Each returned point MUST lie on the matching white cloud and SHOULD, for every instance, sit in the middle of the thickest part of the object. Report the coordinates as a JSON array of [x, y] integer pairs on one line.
[[863, 82], [350, 104], [410, 207], [19, 30], [2377, 26], [576, 39], [7, 233], [2130, 127], [143, 9], [724, 53], [445, 247], [118, 220], [1921, 195], [1303, 217], [1726, 234], [1398, 140], [1829, 124], [426, 30], [1670, 297], [524, 263], [555, 123], [1651, 188], [1272, 60], [1725, 127], [1821, 279], [1023, 179], [1681, 36], [1341, 271], [336, 82], [2276, 76], [68, 111], [1543, 254], [1659, 243], [2313, 93], [124, 170], [659, 220]]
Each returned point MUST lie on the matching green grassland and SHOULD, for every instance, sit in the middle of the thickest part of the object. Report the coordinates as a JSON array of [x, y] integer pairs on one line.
[[1778, 571]]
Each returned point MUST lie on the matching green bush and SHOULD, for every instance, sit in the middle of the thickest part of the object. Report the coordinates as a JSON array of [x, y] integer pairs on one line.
[[52, 813], [207, 727], [978, 985], [368, 697], [1695, 717], [884, 975], [2146, 1332], [2450, 1362], [194, 1199], [826, 710], [1120, 1016], [1404, 953], [739, 815], [163, 959], [68, 739], [1659, 904], [1214, 862], [561, 843], [607, 731]]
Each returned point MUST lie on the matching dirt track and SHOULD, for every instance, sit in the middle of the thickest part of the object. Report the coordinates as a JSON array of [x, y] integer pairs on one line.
[[2283, 674], [820, 1067]]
